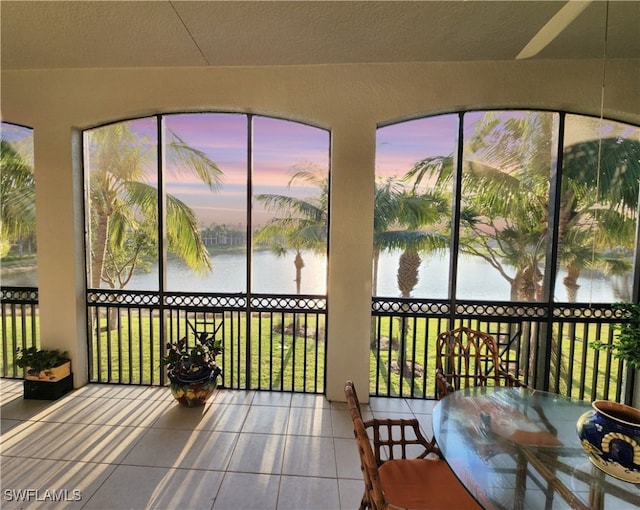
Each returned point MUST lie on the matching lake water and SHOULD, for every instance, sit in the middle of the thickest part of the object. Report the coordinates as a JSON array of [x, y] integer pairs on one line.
[[276, 275]]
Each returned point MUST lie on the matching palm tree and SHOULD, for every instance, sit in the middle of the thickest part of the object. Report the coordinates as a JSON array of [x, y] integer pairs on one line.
[[300, 224], [17, 191], [505, 182], [398, 217], [124, 208]]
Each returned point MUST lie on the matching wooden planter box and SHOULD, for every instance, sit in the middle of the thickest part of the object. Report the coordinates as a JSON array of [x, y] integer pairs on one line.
[[48, 384], [47, 390], [51, 374]]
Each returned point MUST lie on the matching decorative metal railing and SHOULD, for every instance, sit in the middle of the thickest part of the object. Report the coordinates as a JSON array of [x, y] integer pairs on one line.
[[20, 326], [279, 342], [269, 342], [545, 346]]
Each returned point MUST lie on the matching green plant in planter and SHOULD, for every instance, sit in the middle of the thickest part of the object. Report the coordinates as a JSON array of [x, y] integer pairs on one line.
[[191, 361], [192, 369], [626, 346], [40, 359]]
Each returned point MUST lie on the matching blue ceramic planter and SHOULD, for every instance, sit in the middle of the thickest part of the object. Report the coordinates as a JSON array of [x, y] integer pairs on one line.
[[610, 434], [193, 391]]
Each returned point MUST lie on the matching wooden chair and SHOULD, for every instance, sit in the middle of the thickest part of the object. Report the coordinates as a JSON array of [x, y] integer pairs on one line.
[[392, 479], [467, 358]]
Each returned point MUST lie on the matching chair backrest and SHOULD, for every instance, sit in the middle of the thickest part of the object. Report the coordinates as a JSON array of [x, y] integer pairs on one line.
[[373, 496], [470, 358], [373, 487], [352, 397]]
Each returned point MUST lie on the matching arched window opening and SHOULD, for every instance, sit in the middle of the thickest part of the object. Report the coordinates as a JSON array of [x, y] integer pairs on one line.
[[208, 220], [519, 223]]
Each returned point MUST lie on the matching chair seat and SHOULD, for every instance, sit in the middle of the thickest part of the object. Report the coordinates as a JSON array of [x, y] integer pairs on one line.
[[423, 484]]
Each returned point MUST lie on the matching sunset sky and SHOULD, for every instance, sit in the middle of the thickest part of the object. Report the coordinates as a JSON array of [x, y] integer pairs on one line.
[[279, 147]]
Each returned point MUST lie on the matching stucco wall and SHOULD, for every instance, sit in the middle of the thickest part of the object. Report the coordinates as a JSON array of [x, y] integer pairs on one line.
[[349, 100]]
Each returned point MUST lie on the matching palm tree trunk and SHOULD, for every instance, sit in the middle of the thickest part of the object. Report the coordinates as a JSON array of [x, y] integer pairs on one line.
[[101, 234], [374, 277], [99, 249], [299, 263], [571, 282], [408, 268]]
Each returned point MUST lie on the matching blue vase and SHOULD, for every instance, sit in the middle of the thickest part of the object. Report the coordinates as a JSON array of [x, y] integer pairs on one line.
[[610, 434]]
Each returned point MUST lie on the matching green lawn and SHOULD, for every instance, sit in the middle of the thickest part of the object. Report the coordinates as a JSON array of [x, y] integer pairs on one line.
[[575, 363], [278, 358]]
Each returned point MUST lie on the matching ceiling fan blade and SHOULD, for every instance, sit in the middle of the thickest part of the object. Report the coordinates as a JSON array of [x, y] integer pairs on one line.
[[561, 20]]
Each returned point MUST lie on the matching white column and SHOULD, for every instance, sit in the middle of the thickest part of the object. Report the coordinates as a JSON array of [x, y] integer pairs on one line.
[[59, 223], [350, 251]]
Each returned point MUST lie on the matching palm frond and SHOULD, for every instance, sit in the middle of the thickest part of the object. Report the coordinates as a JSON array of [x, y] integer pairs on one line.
[[288, 204], [17, 189], [411, 239], [616, 177], [188, 159], [183, 234], [440, 167]]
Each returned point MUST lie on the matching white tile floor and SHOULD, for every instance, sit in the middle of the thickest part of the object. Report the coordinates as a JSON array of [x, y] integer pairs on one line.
[[121, 447]]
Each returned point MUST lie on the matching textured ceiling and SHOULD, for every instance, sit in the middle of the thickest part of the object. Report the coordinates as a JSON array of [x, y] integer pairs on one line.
[[88, 34]]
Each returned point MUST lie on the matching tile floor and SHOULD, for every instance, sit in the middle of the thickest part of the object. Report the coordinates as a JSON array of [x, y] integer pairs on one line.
[[122, 447]]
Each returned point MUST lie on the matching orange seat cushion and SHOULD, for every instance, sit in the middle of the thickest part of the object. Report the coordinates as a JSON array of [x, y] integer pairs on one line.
[[423, 484]]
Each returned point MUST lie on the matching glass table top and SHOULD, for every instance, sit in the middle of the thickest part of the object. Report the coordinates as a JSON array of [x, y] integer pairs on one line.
[[517, 448]]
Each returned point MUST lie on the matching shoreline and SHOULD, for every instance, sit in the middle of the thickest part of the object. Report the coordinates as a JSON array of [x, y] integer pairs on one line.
[[18, 269]]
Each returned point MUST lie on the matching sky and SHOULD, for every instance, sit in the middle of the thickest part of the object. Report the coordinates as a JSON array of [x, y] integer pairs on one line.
[[400, 146], [280, 147]]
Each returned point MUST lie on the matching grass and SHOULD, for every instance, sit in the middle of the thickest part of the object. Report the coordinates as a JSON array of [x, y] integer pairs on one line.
[[12, 260], [572, 362], [19, 333], [278, 358]]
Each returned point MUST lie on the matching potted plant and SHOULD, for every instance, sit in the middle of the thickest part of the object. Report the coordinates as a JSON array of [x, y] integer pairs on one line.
[[626, 346], [47, 372], [192, 369]]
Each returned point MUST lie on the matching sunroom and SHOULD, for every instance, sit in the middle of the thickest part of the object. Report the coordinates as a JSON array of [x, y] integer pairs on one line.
[[339, 106]]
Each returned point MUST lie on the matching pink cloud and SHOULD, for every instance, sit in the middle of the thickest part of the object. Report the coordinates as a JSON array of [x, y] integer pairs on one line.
[[399, 146]]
